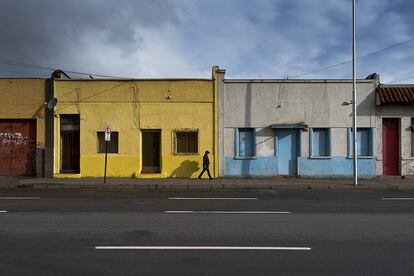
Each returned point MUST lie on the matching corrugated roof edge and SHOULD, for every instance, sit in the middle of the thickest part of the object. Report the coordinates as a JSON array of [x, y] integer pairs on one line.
[[297, 80], [144, 79]]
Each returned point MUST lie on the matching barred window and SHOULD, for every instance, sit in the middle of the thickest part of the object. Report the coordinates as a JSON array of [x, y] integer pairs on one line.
[[112, 145], [186, 142]]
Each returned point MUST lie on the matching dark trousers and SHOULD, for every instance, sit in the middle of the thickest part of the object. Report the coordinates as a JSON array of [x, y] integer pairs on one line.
[[202, 172]]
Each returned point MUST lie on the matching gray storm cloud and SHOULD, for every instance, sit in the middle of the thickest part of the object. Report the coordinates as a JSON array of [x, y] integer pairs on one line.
[[59, 33], [184, 38]]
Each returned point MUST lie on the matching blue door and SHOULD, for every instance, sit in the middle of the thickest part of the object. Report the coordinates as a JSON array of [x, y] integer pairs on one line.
[[287, 150]]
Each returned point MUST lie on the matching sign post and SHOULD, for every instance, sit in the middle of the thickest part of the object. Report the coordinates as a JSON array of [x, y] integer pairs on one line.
[[107, 139]]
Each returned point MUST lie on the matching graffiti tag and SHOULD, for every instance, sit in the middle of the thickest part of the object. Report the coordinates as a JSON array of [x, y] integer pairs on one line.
[[8, 138]]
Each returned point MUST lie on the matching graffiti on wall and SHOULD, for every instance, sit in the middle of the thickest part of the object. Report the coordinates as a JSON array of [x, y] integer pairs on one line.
[[15, 142], [15, 138]]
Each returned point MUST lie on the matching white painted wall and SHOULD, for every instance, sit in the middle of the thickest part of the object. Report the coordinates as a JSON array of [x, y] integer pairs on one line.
[[316, 103]]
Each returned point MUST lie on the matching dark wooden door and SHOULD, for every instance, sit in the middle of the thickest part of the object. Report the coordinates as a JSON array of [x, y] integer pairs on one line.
[[151, 151], [390, 146], [70, 143], [18, 147], [70, 151]]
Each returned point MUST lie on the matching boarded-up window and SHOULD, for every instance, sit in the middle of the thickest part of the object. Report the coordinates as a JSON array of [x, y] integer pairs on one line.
[[320, 142], [112, 145], [186, 142], [246, 142], [365, 142]]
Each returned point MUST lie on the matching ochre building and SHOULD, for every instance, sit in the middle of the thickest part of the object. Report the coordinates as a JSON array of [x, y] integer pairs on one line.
[[159, 127]]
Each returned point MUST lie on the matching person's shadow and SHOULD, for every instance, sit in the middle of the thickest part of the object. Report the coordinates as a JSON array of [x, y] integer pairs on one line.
[[186, 169]]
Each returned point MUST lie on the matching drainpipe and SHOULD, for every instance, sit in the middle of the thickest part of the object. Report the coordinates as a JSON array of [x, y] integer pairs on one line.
[[215, 119], [49, 135]]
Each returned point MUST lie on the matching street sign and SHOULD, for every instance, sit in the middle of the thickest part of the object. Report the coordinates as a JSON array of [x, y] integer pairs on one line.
[[107, 139], [108, 133]]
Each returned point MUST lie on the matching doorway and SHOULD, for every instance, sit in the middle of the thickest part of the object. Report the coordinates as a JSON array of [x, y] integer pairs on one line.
[[288, 150], [18, 147], [391, 146], [151, 151], [70, 143]]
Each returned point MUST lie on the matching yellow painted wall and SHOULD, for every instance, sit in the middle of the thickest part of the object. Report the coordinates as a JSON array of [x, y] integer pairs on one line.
[[130, 106], [24, 99]]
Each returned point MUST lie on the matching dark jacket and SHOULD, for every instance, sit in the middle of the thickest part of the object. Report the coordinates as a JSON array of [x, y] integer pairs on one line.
[[206, 161]]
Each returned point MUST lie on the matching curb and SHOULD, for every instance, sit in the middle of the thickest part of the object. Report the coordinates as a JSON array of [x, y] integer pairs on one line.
[[53, 186]]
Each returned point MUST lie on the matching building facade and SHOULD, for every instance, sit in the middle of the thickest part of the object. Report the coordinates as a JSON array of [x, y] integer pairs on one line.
[[159, 127], [395, 130], [22, 127], [162, 127], [295, 127]]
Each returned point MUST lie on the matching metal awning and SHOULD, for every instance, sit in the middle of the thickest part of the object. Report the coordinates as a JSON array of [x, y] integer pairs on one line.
[[294, 125]]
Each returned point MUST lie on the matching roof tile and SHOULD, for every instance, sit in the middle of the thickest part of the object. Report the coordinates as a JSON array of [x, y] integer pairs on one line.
[[395, 94]]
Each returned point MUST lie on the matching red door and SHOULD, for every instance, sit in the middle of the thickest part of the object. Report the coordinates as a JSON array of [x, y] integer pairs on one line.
[[17, 147], [5, 148], [390, 146]]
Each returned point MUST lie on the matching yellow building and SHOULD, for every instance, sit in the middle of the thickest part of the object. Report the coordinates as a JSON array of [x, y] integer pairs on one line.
[[159, 127], [22, 127]]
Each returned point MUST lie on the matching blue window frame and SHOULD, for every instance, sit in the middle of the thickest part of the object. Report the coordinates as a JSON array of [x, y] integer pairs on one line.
[[245, 146], [320, 142], [365, 142]]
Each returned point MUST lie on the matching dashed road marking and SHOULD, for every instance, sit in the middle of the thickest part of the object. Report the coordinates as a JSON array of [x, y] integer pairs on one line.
[[226, 212], [202, 248], [19, 197], [398, 198], [2, 211], [213, 198]]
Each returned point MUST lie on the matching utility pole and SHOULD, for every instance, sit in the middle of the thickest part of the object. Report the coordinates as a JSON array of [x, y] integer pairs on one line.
[[354, 113]]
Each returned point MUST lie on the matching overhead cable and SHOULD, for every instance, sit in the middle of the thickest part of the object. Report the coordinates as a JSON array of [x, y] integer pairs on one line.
[[358, 58], [46, 68]]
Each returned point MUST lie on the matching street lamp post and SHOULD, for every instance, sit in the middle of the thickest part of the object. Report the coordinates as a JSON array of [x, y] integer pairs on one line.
[[354, 113]]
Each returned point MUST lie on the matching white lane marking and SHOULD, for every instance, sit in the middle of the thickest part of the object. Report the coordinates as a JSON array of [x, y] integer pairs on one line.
[[2, 211], [226, 212], [398, 198], [213, 198], [201, 248], [19, 197]]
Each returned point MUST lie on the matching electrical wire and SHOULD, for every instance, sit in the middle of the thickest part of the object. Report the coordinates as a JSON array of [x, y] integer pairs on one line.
[[358, 58], [46, 68], [399, 80], [20, 72], [402, 77]]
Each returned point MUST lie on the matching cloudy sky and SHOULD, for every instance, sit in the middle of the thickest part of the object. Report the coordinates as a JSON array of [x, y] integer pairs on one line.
[[185, 38]]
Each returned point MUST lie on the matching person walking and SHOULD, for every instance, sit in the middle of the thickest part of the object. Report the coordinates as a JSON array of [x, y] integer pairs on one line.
[[206, 165]]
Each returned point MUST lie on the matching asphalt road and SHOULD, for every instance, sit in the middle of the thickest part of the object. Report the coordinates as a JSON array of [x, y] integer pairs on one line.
[[246, 232]]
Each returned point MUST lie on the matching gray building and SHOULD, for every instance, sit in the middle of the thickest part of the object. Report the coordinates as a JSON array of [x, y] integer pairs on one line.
[[273, 127]]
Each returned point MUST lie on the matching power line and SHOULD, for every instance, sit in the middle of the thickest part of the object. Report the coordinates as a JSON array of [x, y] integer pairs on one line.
[[20, 72], [403, 79], [358, 58], [45, 68]]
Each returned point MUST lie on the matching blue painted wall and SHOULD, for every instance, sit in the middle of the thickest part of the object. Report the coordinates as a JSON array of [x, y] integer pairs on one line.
[[259, 167], [336, 166]]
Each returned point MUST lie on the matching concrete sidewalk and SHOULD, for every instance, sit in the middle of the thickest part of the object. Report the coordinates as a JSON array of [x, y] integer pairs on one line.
[[220, 183]]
